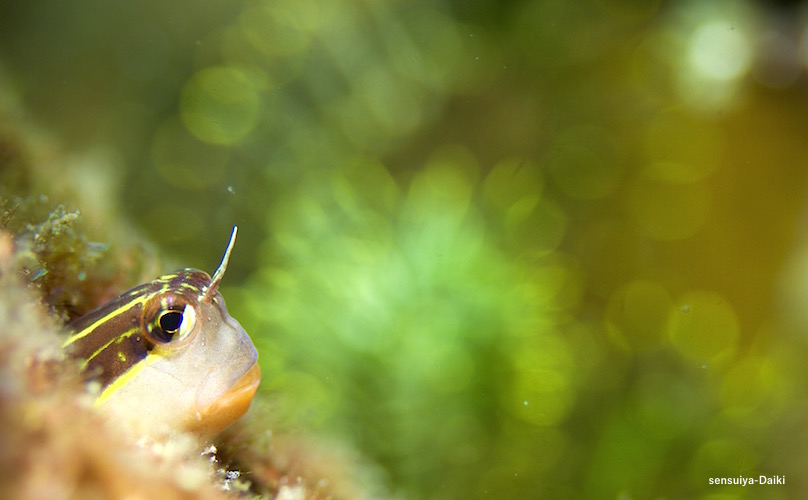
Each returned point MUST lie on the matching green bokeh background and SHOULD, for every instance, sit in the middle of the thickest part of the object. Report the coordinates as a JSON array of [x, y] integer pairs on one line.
[[503, 249]]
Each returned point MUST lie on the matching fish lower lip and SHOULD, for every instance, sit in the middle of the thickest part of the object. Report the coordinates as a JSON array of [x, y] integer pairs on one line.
[[225, 409]]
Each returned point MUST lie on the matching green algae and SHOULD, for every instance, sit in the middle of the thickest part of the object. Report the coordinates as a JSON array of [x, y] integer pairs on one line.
[[52, 253]]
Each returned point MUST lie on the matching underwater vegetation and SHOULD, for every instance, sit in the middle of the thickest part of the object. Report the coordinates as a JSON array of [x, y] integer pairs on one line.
[[486, 250]]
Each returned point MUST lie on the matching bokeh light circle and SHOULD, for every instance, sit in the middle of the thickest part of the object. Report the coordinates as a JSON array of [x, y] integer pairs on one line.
[[703, 326], [221, 104], [637, 315]]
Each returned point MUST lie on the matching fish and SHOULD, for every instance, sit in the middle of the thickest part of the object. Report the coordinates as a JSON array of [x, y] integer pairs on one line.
[[168, 356]]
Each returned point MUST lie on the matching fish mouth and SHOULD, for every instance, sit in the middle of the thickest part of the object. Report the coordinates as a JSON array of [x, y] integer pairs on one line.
[[225, 409]]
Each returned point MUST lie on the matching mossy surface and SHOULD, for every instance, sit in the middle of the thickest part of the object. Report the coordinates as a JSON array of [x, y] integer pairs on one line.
[[53, 255], [54, 443]]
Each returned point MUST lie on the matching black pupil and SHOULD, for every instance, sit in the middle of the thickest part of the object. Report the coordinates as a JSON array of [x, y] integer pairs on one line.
[[170, 321]]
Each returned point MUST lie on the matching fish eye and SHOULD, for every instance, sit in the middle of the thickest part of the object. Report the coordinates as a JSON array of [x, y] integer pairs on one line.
[[169, 320]]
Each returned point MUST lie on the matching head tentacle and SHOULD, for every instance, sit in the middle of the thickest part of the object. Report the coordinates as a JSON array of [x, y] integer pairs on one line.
[[208, 291]]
